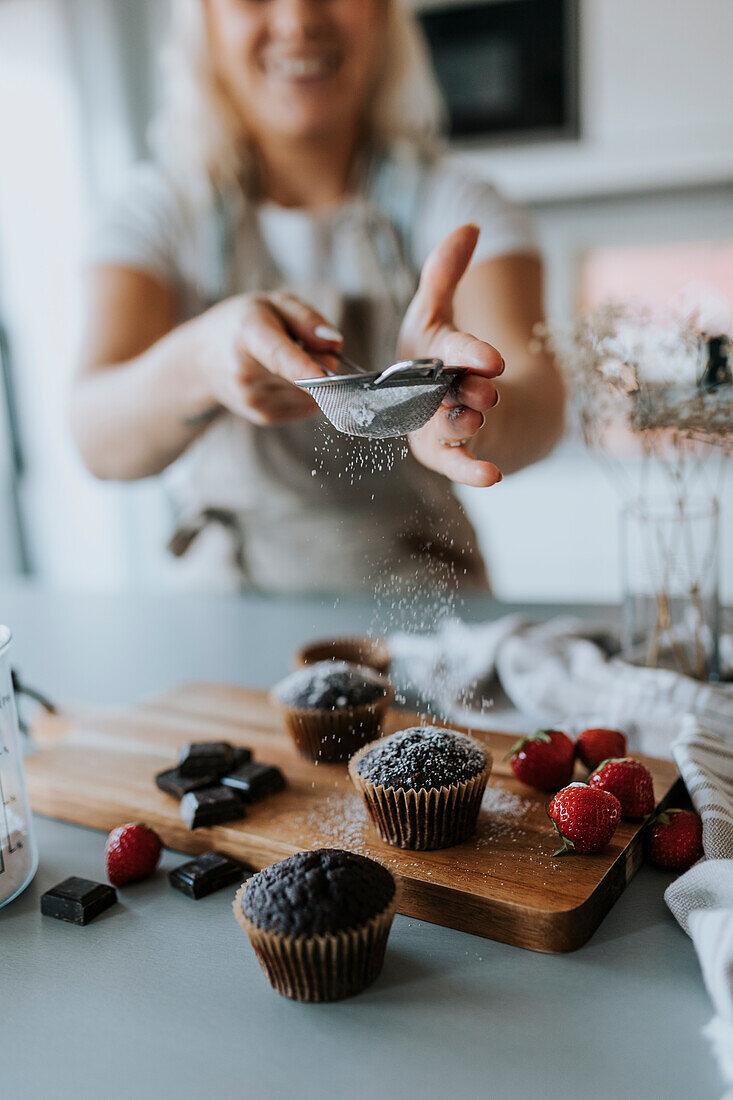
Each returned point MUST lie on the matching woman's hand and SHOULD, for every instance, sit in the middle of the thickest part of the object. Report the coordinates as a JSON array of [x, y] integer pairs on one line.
[[428, 331], [250, 355]]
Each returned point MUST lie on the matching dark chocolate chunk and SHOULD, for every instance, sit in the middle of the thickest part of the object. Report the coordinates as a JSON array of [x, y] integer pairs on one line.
[[255, 781], [172, 782], [312, 893], [212, 806], [205, 758], [240, 756], [206, 874], [78, 900]]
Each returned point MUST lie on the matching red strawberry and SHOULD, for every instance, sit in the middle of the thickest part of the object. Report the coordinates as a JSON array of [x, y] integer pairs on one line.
[[132, 853], [585, 817], [545, 760], [592, 747], [676, 839], [630, 781]]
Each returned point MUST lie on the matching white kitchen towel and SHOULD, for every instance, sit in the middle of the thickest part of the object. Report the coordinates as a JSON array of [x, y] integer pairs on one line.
[[702, 898], [562, 671]]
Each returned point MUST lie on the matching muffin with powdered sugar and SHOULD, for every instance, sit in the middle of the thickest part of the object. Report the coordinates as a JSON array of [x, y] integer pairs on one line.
[[332, 708], [422, 786]]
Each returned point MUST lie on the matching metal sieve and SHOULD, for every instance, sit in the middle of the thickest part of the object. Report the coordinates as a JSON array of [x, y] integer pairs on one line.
[[386, 403]]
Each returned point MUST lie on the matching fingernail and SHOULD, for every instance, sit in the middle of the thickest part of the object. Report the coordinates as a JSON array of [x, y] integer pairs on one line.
[[325, 332]]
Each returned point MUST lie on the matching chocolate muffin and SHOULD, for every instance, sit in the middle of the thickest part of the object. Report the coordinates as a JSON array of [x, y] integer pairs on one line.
[[332, 708], [319, 922], [422, 786]]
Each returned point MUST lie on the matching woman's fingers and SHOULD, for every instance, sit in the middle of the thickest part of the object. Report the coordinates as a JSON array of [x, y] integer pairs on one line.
[[306, 323], [265, 398], [443, 270], [266, 339], [454, 462], [461, 349], [475, 391], [457, 424]]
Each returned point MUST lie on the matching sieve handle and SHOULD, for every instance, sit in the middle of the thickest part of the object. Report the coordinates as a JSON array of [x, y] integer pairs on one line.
[[353, 367], [414, 368]]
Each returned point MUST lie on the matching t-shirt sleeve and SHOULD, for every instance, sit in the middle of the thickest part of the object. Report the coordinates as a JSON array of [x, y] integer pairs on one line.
[[450, 198], [140, 226]]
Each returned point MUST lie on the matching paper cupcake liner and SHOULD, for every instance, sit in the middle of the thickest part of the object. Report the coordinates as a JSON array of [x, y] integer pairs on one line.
[[334, 735], [328, 967], [422, 819]]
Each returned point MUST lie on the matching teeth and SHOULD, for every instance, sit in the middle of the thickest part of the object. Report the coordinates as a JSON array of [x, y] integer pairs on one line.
[[299, 67]]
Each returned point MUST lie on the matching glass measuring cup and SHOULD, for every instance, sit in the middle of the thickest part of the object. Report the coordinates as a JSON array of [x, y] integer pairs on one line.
[[18, 852]]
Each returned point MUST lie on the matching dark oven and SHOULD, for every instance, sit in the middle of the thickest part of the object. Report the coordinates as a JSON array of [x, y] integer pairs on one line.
[[507, 68]]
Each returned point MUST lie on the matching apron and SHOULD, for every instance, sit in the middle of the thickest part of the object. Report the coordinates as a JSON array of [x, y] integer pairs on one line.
[[300, 507]]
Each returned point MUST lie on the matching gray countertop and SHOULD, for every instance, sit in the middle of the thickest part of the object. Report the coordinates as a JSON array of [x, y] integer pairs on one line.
[[162, 996]]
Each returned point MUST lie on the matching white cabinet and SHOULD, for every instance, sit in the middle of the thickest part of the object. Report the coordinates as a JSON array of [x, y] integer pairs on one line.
[[656, 101]]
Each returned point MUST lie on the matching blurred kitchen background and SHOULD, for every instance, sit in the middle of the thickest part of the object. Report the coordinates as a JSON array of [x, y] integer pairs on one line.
[[611, 119]]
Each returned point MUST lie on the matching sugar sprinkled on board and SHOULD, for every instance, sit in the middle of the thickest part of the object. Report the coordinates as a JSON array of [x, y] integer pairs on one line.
[[505, 804], [501, 817], [339, 820]]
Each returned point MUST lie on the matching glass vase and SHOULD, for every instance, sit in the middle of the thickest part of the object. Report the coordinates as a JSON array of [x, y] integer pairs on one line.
[[670, 565]]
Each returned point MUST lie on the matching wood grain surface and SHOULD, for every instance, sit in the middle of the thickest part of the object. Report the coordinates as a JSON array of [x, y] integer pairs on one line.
[[97, 768]]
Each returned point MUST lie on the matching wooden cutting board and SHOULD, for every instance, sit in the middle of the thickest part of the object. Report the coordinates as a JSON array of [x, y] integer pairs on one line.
[[97, 768]]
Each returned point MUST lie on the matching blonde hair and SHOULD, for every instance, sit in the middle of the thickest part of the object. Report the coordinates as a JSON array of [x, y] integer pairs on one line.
[[197, 135]]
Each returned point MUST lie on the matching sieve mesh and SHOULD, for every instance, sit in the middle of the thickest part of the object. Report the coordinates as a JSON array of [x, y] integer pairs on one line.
[[357, 408]]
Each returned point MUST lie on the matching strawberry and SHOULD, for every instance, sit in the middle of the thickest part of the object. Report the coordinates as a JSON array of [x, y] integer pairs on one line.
[[676, 839], [132, 852], [545, 760], [585, 817], [630, 781], [592, 747]]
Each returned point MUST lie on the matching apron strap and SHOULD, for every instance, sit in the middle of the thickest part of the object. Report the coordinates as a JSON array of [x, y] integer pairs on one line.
[[394, 185]]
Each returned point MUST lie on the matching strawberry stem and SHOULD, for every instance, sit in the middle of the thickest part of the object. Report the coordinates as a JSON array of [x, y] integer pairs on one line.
[[538, 735]]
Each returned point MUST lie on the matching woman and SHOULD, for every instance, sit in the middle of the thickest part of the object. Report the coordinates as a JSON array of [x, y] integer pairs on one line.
[[294, 201]]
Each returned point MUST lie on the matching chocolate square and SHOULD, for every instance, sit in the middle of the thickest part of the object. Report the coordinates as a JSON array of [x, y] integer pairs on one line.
[[255, 781], [211, 806], [240, 756], [205, 758], [77, 900], [172, 782], [203, 876]]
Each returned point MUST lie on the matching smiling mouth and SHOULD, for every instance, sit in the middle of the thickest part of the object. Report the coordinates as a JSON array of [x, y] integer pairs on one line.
[[302, 69]]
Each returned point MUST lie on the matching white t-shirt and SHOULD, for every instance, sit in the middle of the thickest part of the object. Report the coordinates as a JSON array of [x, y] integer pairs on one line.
[[312, 509]]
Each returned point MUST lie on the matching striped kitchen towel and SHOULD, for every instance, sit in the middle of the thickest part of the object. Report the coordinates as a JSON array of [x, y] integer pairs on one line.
[[702, 899]]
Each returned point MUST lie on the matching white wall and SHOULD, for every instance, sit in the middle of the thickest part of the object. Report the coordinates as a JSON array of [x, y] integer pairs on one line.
[[80, 530], [656, 94]]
